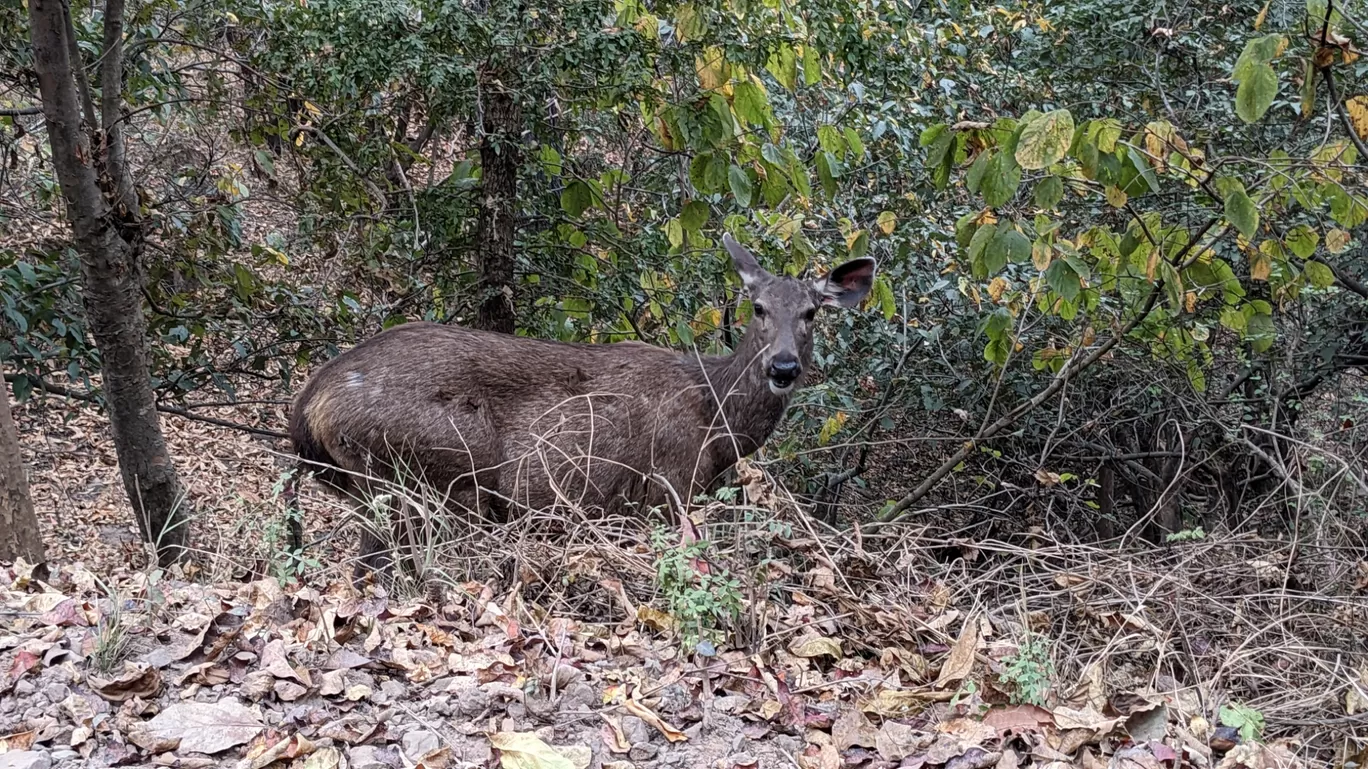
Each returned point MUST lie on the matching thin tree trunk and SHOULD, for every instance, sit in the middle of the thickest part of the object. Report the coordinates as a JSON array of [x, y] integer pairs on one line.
[[499, 161], [111, 289], [19, 533]]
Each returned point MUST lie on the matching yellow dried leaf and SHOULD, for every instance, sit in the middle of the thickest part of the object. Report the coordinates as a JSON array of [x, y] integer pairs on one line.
[[654, 618], [815, 646], [524, 750], [1190, 301], [891, 703], [645, 714], [1336, 241], [1263, 15], [1357, 108], [712, 69], [1041, 256], [1260, 265], [1152, 263], [1115, 197], [997, 288]]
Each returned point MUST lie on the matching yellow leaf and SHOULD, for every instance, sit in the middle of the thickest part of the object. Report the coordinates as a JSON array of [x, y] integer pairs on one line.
[[1152, 263], [897, 702], [852, 237], [1115, 197], [815, 646], [1336, 241], [1263, 14], [1260, 265], [712, 69], [1041, 256], [887, 221], [1357, 108], [524, 750], [1190, 301], [312, 109], [997, 288], [654, 618]]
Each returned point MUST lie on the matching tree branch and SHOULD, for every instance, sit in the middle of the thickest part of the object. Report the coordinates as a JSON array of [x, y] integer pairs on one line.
[[56, 389], [125, 200], [1070, 371], [20, 111], [78, 68]]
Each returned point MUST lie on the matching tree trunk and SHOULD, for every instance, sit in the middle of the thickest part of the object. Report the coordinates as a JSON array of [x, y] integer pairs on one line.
[[499, 161], [19, 534], [111, 280]]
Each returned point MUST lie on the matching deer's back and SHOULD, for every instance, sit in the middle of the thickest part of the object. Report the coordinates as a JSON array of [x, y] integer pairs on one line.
[[538, 421]]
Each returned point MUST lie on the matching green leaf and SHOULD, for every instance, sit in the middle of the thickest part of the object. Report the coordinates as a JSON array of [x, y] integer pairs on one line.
[[551, 160], [783, 64], [974, 179], [1249, 721], [883, 296], [674, 230], [998, 329], [860, 245], [1302, 240], [1049, 191], [1044, 140], [1256, 92], [812, 66], [740, 185], [965, 227], [853, 141], [694, 215], [1000, 179], [828, 169], [576, 198], [1063, 280], [980, 240], [1240, 210], [751, 103], [1013, 245], [690, 23], [1320, 275]]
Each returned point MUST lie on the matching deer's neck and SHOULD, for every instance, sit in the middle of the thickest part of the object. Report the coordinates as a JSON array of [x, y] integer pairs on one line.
[[749, 410]]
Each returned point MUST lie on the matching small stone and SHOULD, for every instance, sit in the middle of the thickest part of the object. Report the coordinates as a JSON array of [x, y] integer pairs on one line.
[[56, 693], [635, 730], [25, 759], [477, 753], [741, 759], [675, 698], [24, 688], [643, 752], [577, 696], [788, 744], [371, 757]]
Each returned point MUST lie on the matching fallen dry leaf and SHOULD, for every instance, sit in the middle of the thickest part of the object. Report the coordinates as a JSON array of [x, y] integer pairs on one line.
[[895, 741], [961, 660], [645, 714], [815, 646], [851, 728], [202, 727], [136, 680], [524, 750]]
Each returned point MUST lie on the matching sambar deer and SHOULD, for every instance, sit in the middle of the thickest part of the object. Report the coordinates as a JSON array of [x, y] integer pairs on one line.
[[492, 420]]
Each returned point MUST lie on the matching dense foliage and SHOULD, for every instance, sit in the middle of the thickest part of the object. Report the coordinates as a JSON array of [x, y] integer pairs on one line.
[[1106, 230]]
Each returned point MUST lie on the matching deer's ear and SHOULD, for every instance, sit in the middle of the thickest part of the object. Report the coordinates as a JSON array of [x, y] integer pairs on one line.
[[747, 266], [848, 284]]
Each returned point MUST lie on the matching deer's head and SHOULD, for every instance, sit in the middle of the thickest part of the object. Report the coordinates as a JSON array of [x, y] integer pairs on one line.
[[786, 307]]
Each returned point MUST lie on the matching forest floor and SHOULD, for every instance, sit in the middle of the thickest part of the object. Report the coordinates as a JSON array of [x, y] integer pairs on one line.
[[549, 644]]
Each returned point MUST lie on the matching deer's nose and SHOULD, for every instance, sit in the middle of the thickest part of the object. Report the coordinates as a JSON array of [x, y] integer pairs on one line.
[[784, 369]]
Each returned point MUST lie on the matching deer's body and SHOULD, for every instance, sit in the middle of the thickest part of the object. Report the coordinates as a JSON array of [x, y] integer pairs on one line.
[[491, 420], [534, 422]]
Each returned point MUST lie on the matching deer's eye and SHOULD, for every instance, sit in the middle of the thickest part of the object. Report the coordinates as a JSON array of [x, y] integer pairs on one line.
[[759, 311], [810, 314]]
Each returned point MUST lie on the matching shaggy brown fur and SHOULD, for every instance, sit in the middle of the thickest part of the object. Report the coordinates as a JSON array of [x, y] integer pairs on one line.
[[496, 420]]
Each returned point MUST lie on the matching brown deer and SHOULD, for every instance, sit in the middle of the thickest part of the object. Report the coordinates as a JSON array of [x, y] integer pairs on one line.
[[492, 420]]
